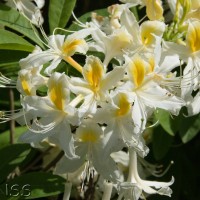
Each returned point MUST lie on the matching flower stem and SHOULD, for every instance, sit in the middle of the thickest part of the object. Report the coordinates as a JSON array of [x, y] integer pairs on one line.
[[132, 165], [12, 121], [68, 187], [107, 190]]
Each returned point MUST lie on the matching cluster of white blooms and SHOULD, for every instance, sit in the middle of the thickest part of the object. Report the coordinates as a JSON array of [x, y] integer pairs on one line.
[[143, 66]]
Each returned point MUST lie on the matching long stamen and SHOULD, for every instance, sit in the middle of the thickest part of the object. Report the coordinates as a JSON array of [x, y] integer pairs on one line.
[[64, 30], [155, 170], [78, 22], [38, 37], [51, 126], [6, 116], [43, 128], [44, 34], [6, 82], [3, 118]]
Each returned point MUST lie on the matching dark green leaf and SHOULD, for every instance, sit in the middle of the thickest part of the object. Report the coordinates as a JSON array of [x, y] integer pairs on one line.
[[12, 41], [60, 12], [11, 156], [135, 12], [189, 128], [11, 18], [10, 57], [161, 143], [38, 184], [169, 124], [5, 136]]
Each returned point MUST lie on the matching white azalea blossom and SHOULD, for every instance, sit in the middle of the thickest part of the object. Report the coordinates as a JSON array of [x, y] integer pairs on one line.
[[134, 187], [154, 8], [29, 9], [56, 113], [96, 83], [189, 52], [144, 36], [120, 39], [59, 48], [120, 124], [29, 80], [91, 147], [146, 94]]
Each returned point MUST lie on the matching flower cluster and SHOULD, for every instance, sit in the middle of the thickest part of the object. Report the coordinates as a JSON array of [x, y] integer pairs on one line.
[[130, 70]]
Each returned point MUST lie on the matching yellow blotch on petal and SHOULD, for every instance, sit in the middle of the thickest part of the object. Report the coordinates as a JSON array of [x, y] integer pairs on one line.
[[193, 36], [137, 71], [56, 95], [124, 105], [88, 136], [121, 40], [195, 14], [25, 85], [154, 9], [69, 47], [195, 4], [149, 29], [151, 64], [94, 73]]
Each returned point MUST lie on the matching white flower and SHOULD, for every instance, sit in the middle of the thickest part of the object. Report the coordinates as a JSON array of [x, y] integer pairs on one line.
[[91, 145], [145, 36], [59, 49], [52, 116], [120, 124], [96, 83], [189, 53], [29, 80], [29, 9], [146, 93], [112, 45], [133, 188], [154, 8]]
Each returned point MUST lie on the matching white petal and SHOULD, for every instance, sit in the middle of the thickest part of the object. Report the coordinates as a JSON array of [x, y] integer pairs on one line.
[[63, 138], [56, 42], [66, 165], [37, 59], [40, 3], [112, 78], [54, 63], [194, 105]]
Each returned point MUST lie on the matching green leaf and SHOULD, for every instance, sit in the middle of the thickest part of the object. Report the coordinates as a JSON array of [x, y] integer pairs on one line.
[[4, 100], [11, 57], [169, 124], [11, 18], [135, 12], [189, 128], [12, 41], [60, 12], [5, 136], [11, 156], [38, 184], [161, 143]]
